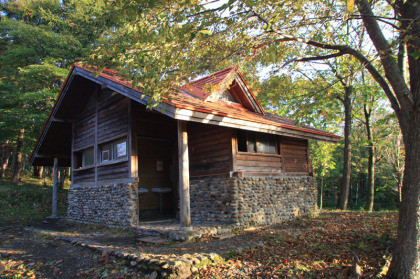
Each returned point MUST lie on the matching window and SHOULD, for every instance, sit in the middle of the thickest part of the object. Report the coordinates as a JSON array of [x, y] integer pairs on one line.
[[88, 159], [241, 135], [266, 143], [113, 150], [106, 150], [256, 142], [84, 158]]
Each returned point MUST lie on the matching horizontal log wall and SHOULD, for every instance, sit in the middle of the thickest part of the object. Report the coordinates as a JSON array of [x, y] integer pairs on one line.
[[295, 155], [84, 131], [113, 118], [209, 150], [292, 159], [84, 176], [259, 163], [104, 122], [113, 171], [152, 124]]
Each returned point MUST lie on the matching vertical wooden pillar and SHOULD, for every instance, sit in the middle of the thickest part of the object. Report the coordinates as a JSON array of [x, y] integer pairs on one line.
[[184, 175], [55, 186]]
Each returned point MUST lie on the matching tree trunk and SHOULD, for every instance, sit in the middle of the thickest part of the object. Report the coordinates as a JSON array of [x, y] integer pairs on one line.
[[63, 174], [405, 258], [5, 156], [37, 173], [321, 194], [399, 169], [18, 156], [345, 180], [50, 173], [371, 163]]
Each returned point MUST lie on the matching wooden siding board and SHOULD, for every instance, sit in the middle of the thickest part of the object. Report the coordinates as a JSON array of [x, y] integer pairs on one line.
[[113, 171], [209, 150], [295, 156]]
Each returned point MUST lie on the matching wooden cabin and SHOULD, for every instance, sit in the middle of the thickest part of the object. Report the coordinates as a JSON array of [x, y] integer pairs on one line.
[[207, 154]]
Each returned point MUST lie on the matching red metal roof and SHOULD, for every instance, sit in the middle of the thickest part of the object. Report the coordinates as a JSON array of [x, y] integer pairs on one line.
[[196, 88], [184, 101], [181, 100]]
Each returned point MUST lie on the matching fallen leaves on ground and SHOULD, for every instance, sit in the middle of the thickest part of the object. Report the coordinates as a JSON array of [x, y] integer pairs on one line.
[[322, 247]]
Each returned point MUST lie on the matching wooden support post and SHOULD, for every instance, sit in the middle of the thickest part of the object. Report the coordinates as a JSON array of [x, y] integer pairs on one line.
[[184, 176], [55, 186]]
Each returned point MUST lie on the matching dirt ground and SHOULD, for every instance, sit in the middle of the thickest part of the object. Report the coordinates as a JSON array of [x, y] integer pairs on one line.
[[27, 254], [322, 247]]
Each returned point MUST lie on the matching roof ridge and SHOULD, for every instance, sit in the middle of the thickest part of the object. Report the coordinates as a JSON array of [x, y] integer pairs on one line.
[[233, 67]]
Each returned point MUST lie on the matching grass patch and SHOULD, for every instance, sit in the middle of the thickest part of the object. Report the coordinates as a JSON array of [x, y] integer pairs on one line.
[[29, 200]]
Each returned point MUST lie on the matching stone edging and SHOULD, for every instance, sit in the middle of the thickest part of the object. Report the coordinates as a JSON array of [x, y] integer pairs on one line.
[[197, 232], [162, 266]]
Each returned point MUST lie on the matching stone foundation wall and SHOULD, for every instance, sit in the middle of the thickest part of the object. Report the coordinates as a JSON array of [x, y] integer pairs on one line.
[[251, 200], [114, 204], [211, 200], [272, 200]]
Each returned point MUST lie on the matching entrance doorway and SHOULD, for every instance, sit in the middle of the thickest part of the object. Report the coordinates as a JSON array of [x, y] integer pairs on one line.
[[156, 187]]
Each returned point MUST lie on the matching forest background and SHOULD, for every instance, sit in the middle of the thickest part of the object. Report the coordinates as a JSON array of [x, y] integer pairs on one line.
[[40, 40]]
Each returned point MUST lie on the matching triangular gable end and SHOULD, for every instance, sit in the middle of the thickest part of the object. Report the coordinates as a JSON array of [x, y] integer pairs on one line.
[[225, 85]]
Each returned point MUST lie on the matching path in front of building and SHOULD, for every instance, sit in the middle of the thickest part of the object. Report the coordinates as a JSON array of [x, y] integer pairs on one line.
[[67, 251]]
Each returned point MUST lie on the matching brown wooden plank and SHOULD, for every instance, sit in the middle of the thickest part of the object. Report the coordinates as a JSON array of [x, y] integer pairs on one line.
[[258, 157], [265, 174], [301, 157], [203, 155], [258, 169], [198, 138], [194, 161], [259, 164], [298, 147], [212, 148], [233, 153]]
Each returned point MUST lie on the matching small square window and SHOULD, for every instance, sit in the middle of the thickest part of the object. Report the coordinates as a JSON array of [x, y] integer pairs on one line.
[[105, 155], [106, 152]]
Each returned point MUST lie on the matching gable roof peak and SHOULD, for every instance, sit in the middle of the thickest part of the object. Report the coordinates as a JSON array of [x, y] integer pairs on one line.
[[211, 87]]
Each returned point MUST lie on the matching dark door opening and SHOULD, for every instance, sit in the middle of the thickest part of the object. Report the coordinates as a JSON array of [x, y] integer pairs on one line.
[[156, 187]]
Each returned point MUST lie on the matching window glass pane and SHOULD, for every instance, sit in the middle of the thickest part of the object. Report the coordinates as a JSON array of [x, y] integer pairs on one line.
[[88, 157], [251, 142], [241, 135], [106, 152], [120, 148], [266, 143]]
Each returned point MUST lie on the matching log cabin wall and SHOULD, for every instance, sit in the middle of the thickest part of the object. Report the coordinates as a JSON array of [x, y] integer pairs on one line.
[[113, 124], [286, 156], [295, 156], [103, 122], [209, 149]]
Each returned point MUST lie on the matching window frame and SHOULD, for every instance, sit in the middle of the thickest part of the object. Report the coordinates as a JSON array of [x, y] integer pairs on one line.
[[112, 151], [254, 138]]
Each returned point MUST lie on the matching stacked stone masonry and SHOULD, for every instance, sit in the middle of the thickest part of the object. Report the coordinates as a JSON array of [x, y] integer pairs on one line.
[[238, 201], [252, 200], [114, 205]]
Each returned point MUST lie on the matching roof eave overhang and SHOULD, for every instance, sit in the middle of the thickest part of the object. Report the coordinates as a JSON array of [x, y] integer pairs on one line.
[[164, 107], [51, 118], [232, 122]]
